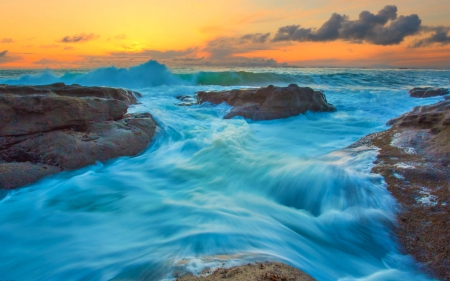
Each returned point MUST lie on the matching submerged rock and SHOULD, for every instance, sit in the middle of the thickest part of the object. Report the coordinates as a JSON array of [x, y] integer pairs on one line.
[[47, 129], [427, 92], [269, 102], [270, 271], [414, 159]]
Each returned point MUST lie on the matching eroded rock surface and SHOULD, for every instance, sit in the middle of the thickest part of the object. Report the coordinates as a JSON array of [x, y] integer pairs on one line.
[[270, 271], [427, 92], [414, 159], [48, 129], [269, 102]]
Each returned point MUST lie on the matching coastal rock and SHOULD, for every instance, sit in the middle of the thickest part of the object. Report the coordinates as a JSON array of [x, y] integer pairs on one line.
[[270, 271], [414, 159], [74, 90], [46, 132], [269, 102], [427, 92]]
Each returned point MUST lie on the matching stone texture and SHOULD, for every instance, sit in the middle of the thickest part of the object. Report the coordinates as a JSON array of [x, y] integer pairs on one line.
[[269, 102], [46, 132], [267, 271], [414, 159], [427, 92]]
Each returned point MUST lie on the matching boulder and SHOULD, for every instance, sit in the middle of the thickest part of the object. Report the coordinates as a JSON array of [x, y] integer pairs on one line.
[[59, 129], [427, 92], [269, 102]]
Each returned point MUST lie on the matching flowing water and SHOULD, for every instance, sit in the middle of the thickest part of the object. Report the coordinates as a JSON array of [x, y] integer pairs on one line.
[[210, 192]]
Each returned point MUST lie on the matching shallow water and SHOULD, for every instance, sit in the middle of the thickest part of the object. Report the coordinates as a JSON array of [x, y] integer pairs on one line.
[[209, 191]]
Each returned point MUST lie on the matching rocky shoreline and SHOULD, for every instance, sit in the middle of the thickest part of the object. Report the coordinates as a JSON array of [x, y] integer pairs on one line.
[[48, 129], [414, 159]]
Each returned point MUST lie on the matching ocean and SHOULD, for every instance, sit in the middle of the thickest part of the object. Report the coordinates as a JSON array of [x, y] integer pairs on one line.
[[209, 192]]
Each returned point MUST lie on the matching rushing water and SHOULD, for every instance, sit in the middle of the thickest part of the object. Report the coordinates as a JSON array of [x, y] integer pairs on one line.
[[213, 192]]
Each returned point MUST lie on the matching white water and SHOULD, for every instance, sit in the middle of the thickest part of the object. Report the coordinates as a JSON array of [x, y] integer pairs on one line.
[[209, 191]]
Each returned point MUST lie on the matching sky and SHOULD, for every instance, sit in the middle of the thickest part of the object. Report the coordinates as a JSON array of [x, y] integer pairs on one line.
[[321, 33]]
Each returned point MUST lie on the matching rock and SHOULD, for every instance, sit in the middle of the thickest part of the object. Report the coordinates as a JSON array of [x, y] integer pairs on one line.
[[414, 159], [270, 271], [75, 90], [428, 128], [186, 101], [44, 133], [32, 113], [427, 92], [269, 102]]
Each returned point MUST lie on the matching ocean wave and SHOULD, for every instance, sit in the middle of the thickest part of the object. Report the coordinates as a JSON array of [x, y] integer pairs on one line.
[[153, 73]]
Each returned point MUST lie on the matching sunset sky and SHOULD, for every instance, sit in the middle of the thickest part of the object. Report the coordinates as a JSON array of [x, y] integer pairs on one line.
[[340, 33]]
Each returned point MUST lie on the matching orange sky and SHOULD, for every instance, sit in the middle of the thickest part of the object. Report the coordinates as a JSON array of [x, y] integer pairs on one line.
[[87, 33]]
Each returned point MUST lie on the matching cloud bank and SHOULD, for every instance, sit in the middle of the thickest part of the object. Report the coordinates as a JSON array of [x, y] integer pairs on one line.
[[440, 36], [384, 28]]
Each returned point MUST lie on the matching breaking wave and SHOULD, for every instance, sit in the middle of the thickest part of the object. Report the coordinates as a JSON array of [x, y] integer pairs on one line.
[[153, 73]]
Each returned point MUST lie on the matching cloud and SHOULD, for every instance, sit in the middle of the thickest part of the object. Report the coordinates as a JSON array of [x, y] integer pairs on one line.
[[256, 38], [79, 38], [384, 28], [440, 36], [226, 47], [157, 55], [7, 40], [5, 57], [49, 46], [57, 63]]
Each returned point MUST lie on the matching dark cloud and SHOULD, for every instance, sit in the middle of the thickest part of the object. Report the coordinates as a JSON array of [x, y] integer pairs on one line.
[[383, 28], [5, 57], [255, 38], [7, 40], [79, 38], [440, 36]]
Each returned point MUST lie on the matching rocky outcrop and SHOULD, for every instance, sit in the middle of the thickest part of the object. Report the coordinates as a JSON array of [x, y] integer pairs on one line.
[[414, 159], [269, 102], [270, 271], [48, 129], [427, 92]]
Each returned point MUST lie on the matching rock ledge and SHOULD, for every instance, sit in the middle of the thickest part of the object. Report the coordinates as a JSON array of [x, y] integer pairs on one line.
[[414, 159], [48, 129]]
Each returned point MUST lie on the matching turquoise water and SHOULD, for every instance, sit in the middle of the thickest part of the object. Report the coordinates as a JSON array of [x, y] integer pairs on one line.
[[209, 192]]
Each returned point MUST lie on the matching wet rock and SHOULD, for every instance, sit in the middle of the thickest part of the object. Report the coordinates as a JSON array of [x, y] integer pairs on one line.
[[270, 271], [59, 129], [427, 92], [414, 159], [269, 102], [186, 100]]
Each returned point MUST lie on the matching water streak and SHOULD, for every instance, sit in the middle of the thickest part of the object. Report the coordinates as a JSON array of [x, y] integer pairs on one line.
[[209, 191]]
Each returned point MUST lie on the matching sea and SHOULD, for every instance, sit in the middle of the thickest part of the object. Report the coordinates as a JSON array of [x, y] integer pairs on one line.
[[209, 192]]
